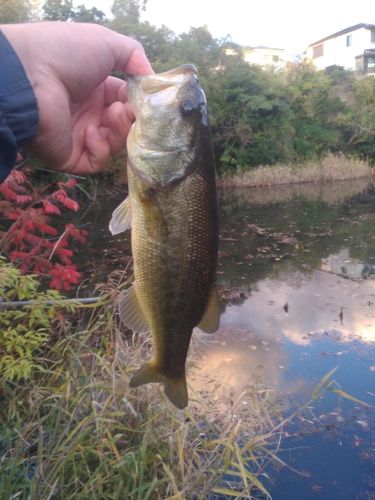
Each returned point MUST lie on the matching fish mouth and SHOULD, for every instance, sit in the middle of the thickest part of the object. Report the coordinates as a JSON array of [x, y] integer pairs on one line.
[[150, 84], [177, 73]]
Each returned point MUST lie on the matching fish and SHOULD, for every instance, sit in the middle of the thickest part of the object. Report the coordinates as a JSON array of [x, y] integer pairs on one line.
[[172, 212]]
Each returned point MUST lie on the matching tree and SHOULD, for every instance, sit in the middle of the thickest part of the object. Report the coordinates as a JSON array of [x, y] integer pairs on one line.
[[83, 15], [315, 109], [361, 119], [58, 10], [63, 10], [198, 47], [14, 11], [129, 10], [249, 114]]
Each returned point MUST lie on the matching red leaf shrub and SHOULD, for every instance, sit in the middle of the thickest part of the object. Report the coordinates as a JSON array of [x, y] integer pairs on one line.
[[32, 238], [63, 277], [51, 208]]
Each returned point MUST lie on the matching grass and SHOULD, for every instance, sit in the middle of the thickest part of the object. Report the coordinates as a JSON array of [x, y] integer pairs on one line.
[[75, 430], [329, 169]]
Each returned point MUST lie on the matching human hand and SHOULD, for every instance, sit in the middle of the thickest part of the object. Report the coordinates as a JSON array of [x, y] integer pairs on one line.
[[83, 112]]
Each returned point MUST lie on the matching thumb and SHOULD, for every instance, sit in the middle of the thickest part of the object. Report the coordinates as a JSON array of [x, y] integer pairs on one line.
[[129, 55]]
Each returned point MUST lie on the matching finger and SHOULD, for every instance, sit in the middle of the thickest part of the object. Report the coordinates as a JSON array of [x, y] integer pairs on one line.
[[116, 122], [114, 90], [138, 64], [129, 55], [95, 153]]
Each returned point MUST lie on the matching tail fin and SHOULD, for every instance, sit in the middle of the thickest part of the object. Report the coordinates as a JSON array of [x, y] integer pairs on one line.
[[174, 388]]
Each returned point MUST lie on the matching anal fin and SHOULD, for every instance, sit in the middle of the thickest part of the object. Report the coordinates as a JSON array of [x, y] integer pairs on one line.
[[211, 318]]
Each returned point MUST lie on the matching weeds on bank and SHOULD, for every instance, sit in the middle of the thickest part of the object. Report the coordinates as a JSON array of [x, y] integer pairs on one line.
[[329, 169], [73, 428]]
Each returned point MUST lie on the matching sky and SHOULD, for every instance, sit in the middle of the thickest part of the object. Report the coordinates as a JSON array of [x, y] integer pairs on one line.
[[287, 24]]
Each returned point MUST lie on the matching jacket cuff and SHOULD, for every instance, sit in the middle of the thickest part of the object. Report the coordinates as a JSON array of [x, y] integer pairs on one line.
[[19, 115]]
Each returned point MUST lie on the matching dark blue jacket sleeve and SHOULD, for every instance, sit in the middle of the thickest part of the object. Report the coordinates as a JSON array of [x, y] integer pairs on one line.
[[18, 107]]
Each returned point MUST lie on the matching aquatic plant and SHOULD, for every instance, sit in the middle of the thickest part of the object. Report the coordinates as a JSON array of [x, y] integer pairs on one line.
[[32, 238]]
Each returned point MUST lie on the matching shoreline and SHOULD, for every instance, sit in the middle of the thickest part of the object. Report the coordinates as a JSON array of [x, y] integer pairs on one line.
[[328, 170]]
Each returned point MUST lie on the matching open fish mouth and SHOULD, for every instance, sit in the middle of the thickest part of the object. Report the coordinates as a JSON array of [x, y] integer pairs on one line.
[[173, 76], [165, 83]]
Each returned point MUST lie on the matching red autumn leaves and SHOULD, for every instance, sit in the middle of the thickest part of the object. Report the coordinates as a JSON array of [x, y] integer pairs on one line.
[[32, 240]]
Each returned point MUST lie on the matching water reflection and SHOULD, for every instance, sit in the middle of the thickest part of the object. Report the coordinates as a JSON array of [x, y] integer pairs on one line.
[[237, 357], [292, 274], [342, 265], [329, 193], [251, 340]]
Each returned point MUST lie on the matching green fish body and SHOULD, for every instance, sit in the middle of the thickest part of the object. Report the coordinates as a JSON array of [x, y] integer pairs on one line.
[[172, 212]]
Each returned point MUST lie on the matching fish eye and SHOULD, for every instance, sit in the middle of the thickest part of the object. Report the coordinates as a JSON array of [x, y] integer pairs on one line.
[[187, 107]]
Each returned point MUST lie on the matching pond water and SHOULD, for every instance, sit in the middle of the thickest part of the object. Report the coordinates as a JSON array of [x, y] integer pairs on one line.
[[297, 281]]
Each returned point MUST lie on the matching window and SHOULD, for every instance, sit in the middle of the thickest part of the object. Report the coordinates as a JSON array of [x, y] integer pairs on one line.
[[275, 58], [348, 40], [371, 65], [372, 36], [317, 51]]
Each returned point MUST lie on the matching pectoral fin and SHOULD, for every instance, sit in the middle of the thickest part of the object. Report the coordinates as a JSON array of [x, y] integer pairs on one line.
[[174, 388], [121, 218], [130, 310], [211, 318]]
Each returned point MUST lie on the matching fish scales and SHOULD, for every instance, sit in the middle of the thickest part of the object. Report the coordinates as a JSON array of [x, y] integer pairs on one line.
[[174, 268]]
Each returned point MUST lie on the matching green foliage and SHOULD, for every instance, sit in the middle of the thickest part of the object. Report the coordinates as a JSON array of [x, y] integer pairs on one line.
[[360, 119], [250, 116], [58, 10], [314, 109], [64, 10], [14, 11], [83, 15], [128, 11], [23, 331]]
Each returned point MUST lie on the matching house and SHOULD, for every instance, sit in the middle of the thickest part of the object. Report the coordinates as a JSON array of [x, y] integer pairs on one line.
[[264, 56], [352, 48]]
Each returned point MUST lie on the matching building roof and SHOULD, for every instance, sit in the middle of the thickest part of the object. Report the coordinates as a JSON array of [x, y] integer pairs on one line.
[[346, 30]]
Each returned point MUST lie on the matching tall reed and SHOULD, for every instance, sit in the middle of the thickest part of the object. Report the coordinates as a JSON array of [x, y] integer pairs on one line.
[[329, 169]]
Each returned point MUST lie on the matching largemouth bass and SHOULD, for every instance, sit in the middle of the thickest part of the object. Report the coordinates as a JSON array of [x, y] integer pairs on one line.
[[172, 212]]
